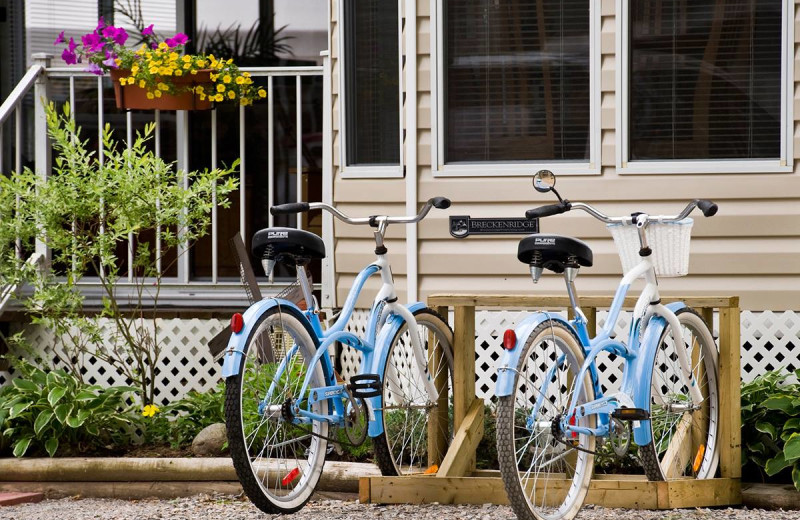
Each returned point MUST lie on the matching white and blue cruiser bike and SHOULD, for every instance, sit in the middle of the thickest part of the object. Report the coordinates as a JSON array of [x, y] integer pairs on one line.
[[286, 405], [552, 414]]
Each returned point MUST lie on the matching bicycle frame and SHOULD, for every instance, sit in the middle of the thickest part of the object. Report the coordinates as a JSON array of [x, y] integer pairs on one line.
[[386, 318]]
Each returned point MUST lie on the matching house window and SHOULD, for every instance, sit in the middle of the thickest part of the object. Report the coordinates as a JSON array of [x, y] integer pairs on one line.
[[371, 87], [705, 79], [517, 79]]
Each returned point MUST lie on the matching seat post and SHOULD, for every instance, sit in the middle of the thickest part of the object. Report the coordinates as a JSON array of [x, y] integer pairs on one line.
[[570, 273]]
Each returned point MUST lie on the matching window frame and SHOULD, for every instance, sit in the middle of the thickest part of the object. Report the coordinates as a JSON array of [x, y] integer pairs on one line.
[[784, 164], [357, 171], [517, 168]]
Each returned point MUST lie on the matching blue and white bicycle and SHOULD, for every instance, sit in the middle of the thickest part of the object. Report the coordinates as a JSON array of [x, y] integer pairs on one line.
[[551, 408], [285, 402]]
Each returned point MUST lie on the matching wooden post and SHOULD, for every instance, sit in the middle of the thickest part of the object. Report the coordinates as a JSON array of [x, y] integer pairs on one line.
[[730, 419], [463, 367]]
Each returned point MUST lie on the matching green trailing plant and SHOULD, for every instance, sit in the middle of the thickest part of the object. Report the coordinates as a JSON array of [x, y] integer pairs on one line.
[[84, 212], [771, 426], [179, 422], [45, 412]]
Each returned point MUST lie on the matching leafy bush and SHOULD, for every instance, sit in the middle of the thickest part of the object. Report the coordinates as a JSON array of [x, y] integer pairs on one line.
[[771, 426], [43, 411], [178, 423]]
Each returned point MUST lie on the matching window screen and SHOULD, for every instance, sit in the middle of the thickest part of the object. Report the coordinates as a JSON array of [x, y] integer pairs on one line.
[[372, 91], [705, 79], [517, 80]]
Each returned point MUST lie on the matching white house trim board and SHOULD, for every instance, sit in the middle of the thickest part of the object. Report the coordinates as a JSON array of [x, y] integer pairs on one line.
[[785, 164], [381, 171], [412, 247], [512, 169]]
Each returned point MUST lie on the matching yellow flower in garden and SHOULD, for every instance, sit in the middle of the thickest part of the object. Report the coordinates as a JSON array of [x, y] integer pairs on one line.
[[135, 70], [117, 61], [201, 63], [158, 93], [219, 97], [122, 81], [194, 71], [173, 56], [163, 46], [230, 61], [214, 77], [200, 89], [187, 58], [178, 72], [240, 80], [150, 95], [150, 410], [163, 86], [153, 70], [220, 88], [141, 83], [262, 93], [202, 97], [226, 78], [231, 94], [187, 66]]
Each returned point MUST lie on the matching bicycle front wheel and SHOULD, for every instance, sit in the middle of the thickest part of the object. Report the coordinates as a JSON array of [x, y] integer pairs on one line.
[[684, 433], [278, 461], [546, 472], [405, 447]]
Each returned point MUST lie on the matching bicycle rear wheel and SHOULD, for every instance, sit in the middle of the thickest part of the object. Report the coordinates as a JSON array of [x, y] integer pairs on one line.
[[546, 472], [684, 435], [278, 462], [404, 446]]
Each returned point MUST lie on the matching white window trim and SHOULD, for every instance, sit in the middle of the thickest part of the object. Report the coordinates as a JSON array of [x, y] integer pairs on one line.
[[512, 168], [361, 171], [711, 166]]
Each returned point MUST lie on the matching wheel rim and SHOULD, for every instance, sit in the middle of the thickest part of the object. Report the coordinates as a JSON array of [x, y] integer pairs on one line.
[[684, 435], [284, 458], [405, 400], [553, 475]]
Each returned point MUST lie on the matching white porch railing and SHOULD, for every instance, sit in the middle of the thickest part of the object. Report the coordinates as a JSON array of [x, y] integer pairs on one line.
[[180, 290]]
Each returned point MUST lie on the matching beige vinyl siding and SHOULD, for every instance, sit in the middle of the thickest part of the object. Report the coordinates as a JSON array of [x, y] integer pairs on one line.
[[751, 248]]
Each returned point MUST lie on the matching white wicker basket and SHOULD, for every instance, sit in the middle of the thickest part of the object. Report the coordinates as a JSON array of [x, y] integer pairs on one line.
[[669, 242]]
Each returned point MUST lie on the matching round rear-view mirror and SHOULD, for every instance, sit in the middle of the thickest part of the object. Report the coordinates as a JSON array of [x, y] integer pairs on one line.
[[544, 181]]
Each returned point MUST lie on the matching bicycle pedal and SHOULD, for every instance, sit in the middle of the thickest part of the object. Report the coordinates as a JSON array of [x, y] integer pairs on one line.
[[365, 385], [630, 414]]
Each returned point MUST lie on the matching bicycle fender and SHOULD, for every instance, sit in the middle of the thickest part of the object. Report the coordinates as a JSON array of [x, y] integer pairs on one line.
[[235, 348], [385, 336], [642, 371], [506, 372]]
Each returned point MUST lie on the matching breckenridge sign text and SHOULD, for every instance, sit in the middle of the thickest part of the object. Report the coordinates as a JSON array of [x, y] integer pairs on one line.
[[461, 226]]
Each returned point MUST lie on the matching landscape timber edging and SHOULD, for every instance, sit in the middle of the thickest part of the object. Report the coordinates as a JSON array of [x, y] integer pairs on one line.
[[138, 478]]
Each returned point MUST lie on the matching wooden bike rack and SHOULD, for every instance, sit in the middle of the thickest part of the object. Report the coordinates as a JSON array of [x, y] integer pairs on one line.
[[458, 482]]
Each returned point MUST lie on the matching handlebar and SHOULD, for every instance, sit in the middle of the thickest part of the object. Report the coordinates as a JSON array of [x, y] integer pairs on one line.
[[299, 207], [708, 208]]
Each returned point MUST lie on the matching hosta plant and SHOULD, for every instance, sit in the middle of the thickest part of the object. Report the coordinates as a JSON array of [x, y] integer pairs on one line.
[[44, 412], [771, 425]]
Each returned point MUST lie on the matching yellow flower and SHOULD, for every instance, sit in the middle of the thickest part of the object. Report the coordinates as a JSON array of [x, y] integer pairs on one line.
[[246, 74], [193, 71], [150, 95], [173, 56], [178, 72], [187, 58], [163, 46], [202, 97], [218, 97], [231, 94], [201, 63], [187, 66], [153, 70], [230, 61], [262, 93], [163, 86], [220, 88], [214, 77], [122, 81], [117, 61], [150, 410], [240, 80], [200, 88], [158, 93], [226, 78], [141, 83], [135, 70]]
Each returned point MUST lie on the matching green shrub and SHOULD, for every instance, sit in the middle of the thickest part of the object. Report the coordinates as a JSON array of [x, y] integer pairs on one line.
[[179, 422], [48, 411], [771, 426]]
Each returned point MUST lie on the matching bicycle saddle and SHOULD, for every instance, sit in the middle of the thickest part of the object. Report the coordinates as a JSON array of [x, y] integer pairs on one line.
[[287, 244], [555, 252]]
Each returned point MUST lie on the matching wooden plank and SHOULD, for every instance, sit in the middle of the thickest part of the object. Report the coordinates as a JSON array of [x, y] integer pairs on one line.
[[364, 490], [457, 461], [730, 427], [438, 428], [463, 367], [680, 448], [549, 301], [628, 491]]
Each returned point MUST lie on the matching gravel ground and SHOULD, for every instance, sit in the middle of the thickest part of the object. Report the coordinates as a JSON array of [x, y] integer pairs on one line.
[[232, 508]]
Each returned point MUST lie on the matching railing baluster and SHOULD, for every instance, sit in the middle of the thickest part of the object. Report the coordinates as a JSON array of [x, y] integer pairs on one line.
[[157, 138], [214, 223], [72, 97], [299, 128], [129, 136], [242, 194], [270, 154], [18, 164], [102, 272]]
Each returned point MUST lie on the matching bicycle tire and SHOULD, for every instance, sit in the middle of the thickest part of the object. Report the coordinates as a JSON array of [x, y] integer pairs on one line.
[[402, 448], [285, 482], [684, 442], [515, 426]]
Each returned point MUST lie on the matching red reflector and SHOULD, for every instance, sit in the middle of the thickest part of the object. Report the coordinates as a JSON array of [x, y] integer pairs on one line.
[[290, 476], [509, 339], [237, 323]]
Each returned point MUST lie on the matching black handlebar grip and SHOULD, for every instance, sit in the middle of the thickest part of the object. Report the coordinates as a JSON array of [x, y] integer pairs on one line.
[[708, 208], [440, 202], [546, 211], [288, 209]]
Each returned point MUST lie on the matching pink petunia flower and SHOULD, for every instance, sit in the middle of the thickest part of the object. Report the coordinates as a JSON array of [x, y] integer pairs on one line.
[[94, 68], [69, 57], [92, 42], [60, 38], [100, 24], [147, 31]]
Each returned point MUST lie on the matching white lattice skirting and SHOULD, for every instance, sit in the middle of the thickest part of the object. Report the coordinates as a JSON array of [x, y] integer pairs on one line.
[[770, 340]]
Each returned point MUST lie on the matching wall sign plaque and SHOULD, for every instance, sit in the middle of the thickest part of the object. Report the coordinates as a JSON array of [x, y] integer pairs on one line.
[[462, 226]]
